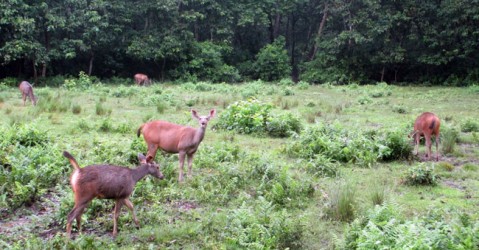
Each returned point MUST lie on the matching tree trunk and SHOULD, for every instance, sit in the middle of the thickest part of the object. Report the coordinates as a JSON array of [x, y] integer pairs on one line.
[[320, 31], [90, 67], [382, 73], [35, 74]]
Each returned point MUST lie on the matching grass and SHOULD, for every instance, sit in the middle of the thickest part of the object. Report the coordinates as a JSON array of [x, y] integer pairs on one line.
[[205, 211]]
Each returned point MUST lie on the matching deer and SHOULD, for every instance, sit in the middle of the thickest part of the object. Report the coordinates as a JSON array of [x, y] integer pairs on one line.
[[106, 182], [27, 90], [142, 79], [175, 139], [427, 124]]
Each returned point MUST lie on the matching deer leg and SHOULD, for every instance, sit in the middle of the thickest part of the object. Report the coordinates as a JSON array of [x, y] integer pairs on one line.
[[437, 147], [24, 97], [118, 204], [152, 148], [181, 155], [417, 138], [75, 213], [428, 145], [132, 209], [190, 162]]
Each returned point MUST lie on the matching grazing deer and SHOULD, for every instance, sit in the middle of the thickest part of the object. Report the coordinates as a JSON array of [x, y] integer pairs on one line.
[[174, 138], [106, 182], [27, 90], [142, 80], [427, 125]]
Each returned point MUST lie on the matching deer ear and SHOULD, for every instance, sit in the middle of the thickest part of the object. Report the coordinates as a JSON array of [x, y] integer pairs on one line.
[[194, 114], [212, 112], [141, 158]]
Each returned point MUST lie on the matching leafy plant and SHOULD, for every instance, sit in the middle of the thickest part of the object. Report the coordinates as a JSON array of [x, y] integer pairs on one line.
[[420, 175], [470, 125], [449, 137]]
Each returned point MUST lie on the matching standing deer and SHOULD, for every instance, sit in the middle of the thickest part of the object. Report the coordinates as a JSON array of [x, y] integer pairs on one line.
[[427, 125], [174, 138], [106, 182], [142, 80], [27, 90]]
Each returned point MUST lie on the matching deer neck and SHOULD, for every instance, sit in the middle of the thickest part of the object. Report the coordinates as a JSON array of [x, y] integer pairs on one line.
[[139, 172], [199, 134]]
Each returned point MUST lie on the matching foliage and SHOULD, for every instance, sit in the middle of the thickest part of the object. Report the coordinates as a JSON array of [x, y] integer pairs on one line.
[[272, 62], [341, 203], [470, 125], [83, 82], [449, 137], [385, 228], [31, 164], [420, 175]]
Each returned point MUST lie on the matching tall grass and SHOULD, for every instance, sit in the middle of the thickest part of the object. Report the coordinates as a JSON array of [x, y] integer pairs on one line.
[[342, 202]]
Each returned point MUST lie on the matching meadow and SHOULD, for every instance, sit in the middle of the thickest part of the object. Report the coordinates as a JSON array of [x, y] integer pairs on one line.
[[282, 165]]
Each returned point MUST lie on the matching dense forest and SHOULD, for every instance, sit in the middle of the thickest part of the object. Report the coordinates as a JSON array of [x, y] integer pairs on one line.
[[338, 41]]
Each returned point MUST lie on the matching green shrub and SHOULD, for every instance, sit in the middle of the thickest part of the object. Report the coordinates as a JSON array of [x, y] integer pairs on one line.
[[384, 228], [245, 117], [470, 167], [449, 137], [396, 146], [470, 125], [420, 175], [272, 61], [283, 125], [76, 109], [261, 226], [83, 82], [445, 166], [100, 110], [399, 109], [322, 167], [336, 143], [341, 203]]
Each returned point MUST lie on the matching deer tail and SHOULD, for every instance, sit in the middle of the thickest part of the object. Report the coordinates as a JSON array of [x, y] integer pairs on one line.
[[71, 159], [138, 133], [432, 124]]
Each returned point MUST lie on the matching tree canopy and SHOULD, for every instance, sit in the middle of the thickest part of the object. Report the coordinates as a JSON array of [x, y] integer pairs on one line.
[[318, 41]]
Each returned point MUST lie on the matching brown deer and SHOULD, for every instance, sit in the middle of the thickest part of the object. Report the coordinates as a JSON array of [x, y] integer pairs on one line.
[[174, 138], [427, 125], [142, 80], [27, 90], [106, 182]]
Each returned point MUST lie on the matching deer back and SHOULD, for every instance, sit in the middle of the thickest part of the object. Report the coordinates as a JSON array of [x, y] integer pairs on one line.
[[427, 123], [103, 181], [168, 136]]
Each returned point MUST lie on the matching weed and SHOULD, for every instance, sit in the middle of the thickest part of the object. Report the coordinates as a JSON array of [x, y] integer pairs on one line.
[[342, 203], [76, 109], [420, 175], [445, 166], [470, 125], [105, 125], [161, 107], [100, 110], [470, 167], [377, 195], [399, 109], [449, 137]]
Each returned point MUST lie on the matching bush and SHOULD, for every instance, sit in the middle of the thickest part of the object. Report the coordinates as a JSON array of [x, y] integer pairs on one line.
[[397, 146], [283, 125], [322, 167], [470, 125], [384, 228], [83, 82], [449, 137], [341, 203], [245, 117], [272, 61], [420, 175]]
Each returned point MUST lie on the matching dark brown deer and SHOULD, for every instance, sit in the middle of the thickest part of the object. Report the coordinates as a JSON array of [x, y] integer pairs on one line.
[[27, 90], [427, 125], [174, 138], [142, 80], [106, 182]]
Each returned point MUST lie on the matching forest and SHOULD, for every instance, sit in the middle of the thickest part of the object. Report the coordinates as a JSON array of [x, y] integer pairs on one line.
[[319, 41]]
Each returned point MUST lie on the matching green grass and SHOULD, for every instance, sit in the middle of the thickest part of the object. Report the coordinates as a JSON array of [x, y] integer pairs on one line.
[[241, 183]]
